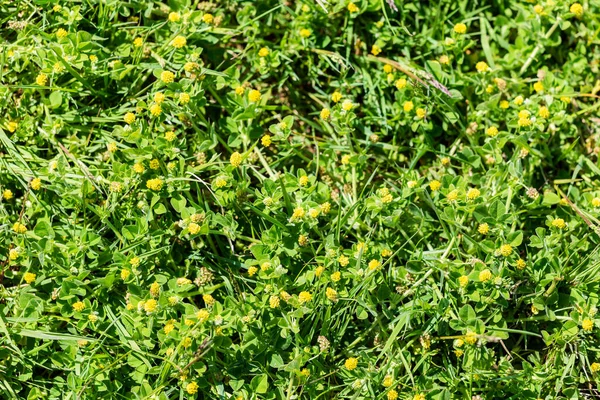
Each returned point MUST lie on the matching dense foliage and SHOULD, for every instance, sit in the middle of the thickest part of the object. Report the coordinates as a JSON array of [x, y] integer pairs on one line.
[[299, 200]]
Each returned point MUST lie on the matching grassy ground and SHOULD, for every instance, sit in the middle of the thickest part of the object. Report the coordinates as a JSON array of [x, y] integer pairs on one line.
[[299, 200]]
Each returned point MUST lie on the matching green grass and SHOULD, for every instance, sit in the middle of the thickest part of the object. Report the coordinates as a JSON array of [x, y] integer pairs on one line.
[[339, 203]]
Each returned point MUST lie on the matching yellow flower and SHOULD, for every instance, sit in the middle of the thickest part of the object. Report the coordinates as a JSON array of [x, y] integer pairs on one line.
[[538, 86], [388, 381], [159, 97], [116, 187], [587, 324], [596, 202], [184, 98], [235, 159], [387, 68], [538, 9], [576, 9], [595, 367], [174, 17], [203, 315], [463, 281], [336, 96], [408, 106], [521, 264], [565, 99], [419, 396], [319, 271], [435, 185], [325, 207], [325, 113], [351, 363], [19, 228], [155, 184], [452, 196], [125, 273], [544, 112], [518, 100], [274, 301], [506, 250], [298, 213], [374, 264], [343, 260], [12, 126], [421, 112], [167, 77], [36, 184], [191, 388], [266, 140], [56, 8], [138, 42], [460, 28], [559, 223], [392, 395], [29, 277], [155, 289], [208, 299], [41, 79], [263, 52], [220, 182], [179, 42], [473, 193], [303, 181], [8, 194], [491, 131], [61, 33], [401, 83], [13, 254], [485, 275], [375, 50], [471, 337], [303, 240], [331, 294], [254, 96], [129, 118], [79, 306], [138, 168], [352, 7], [150, 306], [345, 159], [336, 276], [483, 228], [444, 59], [304, 297], [155, 110], [504, 104], [482, 66], [170, 136], [305, 32], [208, 18], [347, 105]]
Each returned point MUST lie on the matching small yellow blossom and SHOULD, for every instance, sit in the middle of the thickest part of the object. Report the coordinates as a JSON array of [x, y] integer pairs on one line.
[[167, 77], [79, 306], [155, 110], [263, 52], [304, 297], [305, 33], [400, 83], [485, 275], [331, 294], [343, 260], [374, 264], [191, 388], [463, 281], [518, 100], [61, 33], [150, 306], [471, 337], [587, 324], [482, 66], [435, 185], [576, 9], [138, 42], [125, 273], [347, 105], [336, 97], [325, 114], [235, 159], [408, 106], [179, 42], [595, 367], [41, 79], [544, 112], [19, 228], [491, 131], [460, 28], [521, 264], [392, 395], [473, 193], [559, 223], [375, 50], [155, 184], [174, 17], [506, 250], [208, 18], [36, 184], [421, 113], [352, 7], [351, 363], [254, 96], [29, 277], [504, 104], [129, 118], [274, 301]]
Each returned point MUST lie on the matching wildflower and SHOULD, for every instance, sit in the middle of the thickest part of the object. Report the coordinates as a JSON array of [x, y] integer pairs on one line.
[[155, 289], [538, 9], [343, 260], [325, 207], [298, 213], [274, 301], [452, 196], [36, 184], [483, 228], [167, 77], [116, 187], [482, 66], [174, 17], [595, 367], [419, 396], [421, 112], [596, 202], [375, 50], [305, 33], [336, 97], [400, 83], [351, 363], [473, 193], [559, 223], [538, 86], [191, 388], [12, 126], [61, 33], [463, 281], [266, 140], [521, 264], [506, 250], [523, 122], [504, 104], [543, 112], [485, 275], [208, 18], [518, 100], [29, 277], [19, 228], [183, 281], [8, 194], [150, 306], [374, 264], [449, 41], [208, 299], [79, 306], [263, 52], [352, 7], [319, 271], [336, 276], [408, 106], [331, 294], [347, 105], [138, 42], [135, 261], [254, 96], [155, 110], [129, 118], [460, 28], [471, 337], [13, 254], [235, 159], [155, 184], [388, 381], [202, 315], [125, 274], [491, 131], [435, 185], [587, 324], [179, 42], [576, 9], [159, 97], [565, 99], [303, 240], [220, 182], [303, 181], [325, 114], [41, 79], [304, 297], [444, 59], [252, 271]]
